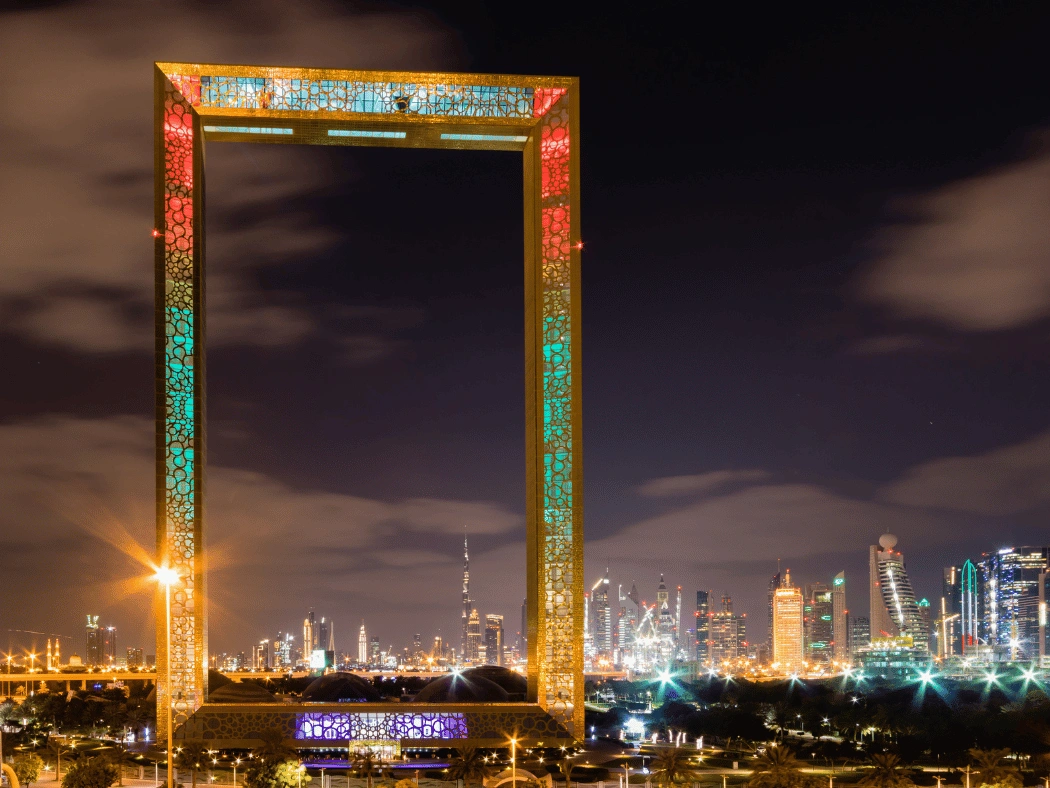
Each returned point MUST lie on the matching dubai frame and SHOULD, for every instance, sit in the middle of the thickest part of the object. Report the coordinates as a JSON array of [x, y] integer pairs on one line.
[[538, 116]]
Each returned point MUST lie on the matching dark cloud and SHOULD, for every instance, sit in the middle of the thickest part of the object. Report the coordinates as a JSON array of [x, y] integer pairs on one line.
[[77, 170], [973, 255], [700, 483]]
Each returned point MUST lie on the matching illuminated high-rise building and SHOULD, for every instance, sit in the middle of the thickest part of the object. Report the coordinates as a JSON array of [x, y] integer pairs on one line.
[[1011, 599], [678, 619], [493, 639], [602, 639], [109, 646], [859, 633], [135, 658], [839, 619], [325, 635], [1044, 614], [468, 604], [818, 623], [788, 626], [362, 645], [728, 632], [894, 608], [93, 651], [373, 650], [473, 653], [261, 655], [282, 650], [309, 636], [702, 637], [969, 607], [774, 584]]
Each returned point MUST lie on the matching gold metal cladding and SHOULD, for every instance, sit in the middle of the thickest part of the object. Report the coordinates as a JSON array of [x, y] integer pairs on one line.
[[539, 116]]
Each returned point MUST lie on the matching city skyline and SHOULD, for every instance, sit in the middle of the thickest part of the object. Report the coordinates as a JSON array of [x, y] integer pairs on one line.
[[819, 360]]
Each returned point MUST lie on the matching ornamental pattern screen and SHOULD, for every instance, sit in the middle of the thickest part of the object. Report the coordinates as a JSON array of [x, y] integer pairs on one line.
[[535, 115]]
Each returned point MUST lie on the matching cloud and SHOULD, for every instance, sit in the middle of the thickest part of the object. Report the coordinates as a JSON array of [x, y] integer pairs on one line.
[[76, 209], [82, 489], [973, 255], [699, 484], [895, 343], [1005, 481]]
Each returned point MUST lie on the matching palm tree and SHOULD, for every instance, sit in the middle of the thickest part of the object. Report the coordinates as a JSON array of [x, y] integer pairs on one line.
[[566, 769], [886, 773], [992, 770], [276, 747], [779, 718], [470, 766], [672, 767], [191, 755], [59, 748], [120, 756], [778, 767], [136, 720], [367, 762]]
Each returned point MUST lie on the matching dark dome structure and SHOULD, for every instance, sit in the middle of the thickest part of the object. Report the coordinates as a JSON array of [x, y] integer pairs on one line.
[[461, 688], [340, 688], [514, 683], [216, 680], [243, 692]]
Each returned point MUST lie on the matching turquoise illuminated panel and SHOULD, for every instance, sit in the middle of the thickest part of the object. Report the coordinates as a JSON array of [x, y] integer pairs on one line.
[[385, 135], [485, 137], [247, 130]]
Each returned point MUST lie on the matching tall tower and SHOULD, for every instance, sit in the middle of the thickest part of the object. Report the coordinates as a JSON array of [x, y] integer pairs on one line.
[[467, 604], [473, 652], [603, 635], [840, 619], [362, 645], [894, 608], [678, 619], [969, 608], [787, 627], [309, 636], [50, 657], [93, 655], [774, 584]]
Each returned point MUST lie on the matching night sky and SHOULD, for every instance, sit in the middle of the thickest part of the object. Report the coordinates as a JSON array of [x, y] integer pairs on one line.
[[816, 305]]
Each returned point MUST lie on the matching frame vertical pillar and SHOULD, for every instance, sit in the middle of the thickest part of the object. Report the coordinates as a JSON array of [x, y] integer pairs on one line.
[[179, 379], [553, 441]]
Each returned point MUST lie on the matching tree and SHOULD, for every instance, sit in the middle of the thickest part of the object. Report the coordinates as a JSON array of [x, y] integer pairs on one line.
[[672, 767], [59, 748], [992, 771], [886, 773], [778, 767], [276, 747], [469, 766], [120, 756], [192, 755], [367, 763], [27, 768], [90, 773], [566, 769], [779, 719], [274, 774]]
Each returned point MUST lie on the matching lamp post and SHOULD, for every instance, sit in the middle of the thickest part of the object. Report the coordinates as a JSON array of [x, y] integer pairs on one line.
[[236, 762], [168, 577], [513, 763]]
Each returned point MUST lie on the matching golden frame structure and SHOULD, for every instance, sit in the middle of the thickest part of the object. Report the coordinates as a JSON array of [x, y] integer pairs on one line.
[[538, 116]]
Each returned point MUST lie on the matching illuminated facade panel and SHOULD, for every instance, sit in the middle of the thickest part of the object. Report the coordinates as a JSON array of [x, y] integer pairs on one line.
[[537, 116], [787, 628]]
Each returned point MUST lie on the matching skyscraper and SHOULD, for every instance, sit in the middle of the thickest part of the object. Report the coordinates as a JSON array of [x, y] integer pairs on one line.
[[894, 608], [325, 635], [362, 645], [818, 622], [493, 639], [309, 636], [602, 614], [93, 650], [969, 606], [859, 633], [787, 626], [473, 652], [678, 619], [109, 646], [839, 619], [703, 628], [774, 584], [1011, 598], [468, 605], [728, 633]]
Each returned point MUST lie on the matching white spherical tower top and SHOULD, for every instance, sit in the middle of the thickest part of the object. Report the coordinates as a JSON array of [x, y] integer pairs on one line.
[[887, 541]]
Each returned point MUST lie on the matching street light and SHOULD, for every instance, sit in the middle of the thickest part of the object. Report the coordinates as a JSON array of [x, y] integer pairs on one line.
[[168, 577], [236, 763]]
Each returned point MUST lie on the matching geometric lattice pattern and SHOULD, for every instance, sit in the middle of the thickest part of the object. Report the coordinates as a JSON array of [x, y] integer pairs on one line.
[[535, 115], [232, 725]]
